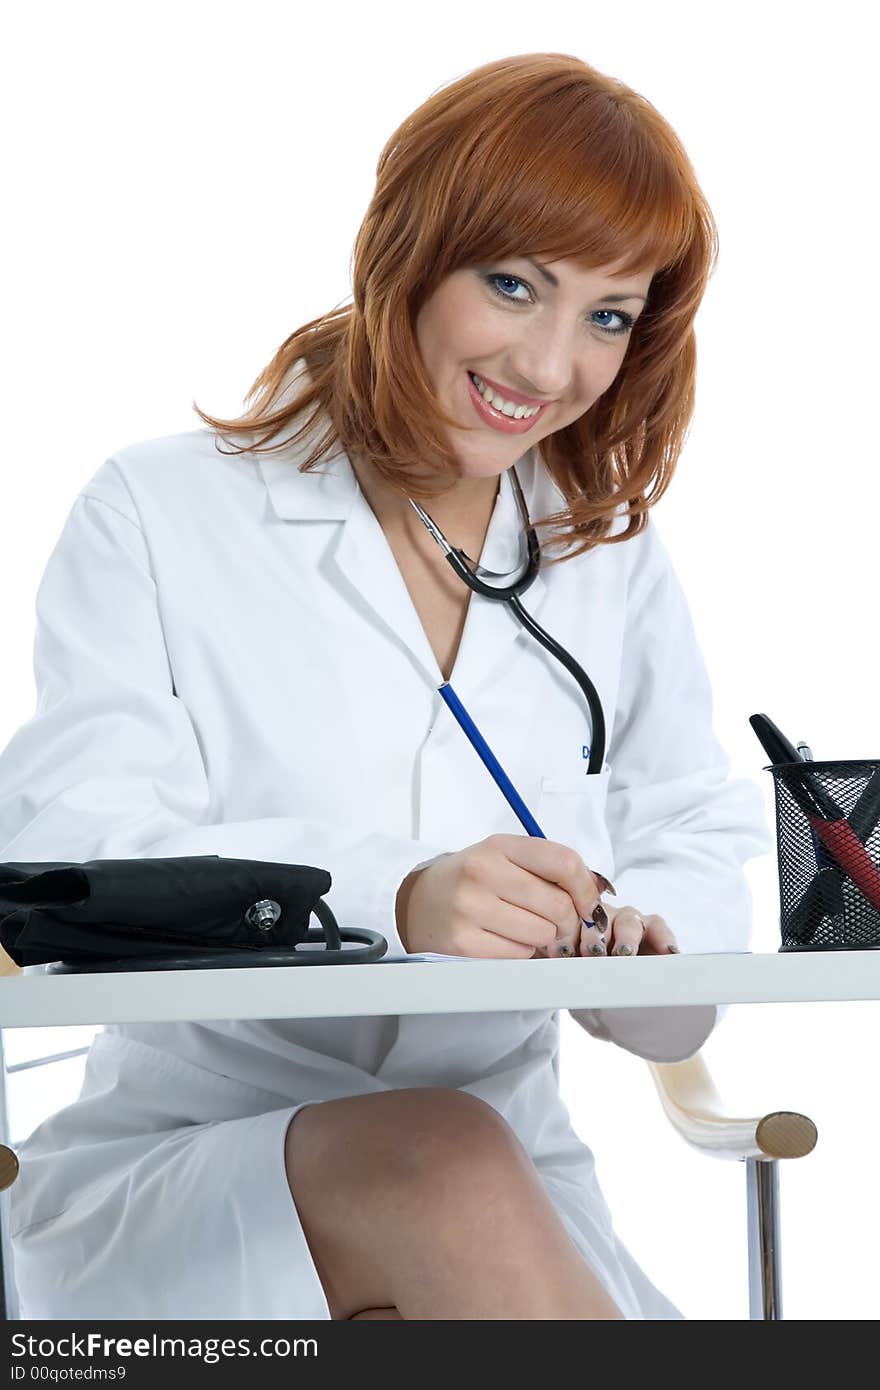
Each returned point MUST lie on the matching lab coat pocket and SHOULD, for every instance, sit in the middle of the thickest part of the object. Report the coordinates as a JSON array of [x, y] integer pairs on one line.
[[571, 811]]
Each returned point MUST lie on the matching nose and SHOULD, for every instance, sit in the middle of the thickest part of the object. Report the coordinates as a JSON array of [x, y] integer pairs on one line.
[[546, 363]]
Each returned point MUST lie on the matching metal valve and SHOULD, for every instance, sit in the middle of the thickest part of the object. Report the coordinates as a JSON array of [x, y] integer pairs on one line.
[[263, 915]]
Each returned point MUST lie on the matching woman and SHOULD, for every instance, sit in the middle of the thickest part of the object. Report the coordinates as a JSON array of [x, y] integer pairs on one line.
[[238, 653]]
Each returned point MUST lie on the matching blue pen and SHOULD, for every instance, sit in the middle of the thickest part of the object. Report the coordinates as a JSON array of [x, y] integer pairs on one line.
[[502, 781]]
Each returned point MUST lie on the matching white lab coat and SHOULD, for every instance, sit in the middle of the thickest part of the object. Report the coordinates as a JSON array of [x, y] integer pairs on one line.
[[228, 662]]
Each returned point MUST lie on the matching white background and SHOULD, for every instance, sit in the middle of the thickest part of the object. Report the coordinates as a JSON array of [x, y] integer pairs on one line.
[[183, 185]]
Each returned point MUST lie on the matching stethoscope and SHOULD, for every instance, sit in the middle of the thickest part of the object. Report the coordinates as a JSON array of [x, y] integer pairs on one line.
[[474, 575]]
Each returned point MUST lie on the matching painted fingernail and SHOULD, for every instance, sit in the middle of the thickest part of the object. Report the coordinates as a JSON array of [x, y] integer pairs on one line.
[[624, 950], [564, 950], [600, 916], [597, 950], [674, 950]]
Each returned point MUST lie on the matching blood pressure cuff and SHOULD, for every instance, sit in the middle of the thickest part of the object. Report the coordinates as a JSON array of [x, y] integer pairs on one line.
[[128, 908]]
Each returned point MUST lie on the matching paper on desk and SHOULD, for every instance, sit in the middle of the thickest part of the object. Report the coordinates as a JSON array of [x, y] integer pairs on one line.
[[430, 955], [426, 955]]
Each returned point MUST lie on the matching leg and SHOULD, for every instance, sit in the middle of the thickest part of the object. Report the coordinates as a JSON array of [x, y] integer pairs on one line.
[[423, 1200]]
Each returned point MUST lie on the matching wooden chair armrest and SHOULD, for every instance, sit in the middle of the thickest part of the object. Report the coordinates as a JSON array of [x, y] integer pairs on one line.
[[695, 1109], [9, 1166]]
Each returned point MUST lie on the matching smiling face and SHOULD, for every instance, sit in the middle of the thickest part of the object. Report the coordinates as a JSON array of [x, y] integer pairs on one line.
[[559, 345]]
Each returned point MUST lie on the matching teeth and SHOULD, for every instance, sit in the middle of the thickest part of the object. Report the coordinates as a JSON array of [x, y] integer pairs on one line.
[[515, 412]]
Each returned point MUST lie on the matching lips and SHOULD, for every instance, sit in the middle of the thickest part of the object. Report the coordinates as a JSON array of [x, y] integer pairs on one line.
[[506, 424], [515, 397]]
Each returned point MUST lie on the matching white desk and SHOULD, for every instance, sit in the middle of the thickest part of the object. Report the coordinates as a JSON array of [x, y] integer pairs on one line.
[[34, 999]]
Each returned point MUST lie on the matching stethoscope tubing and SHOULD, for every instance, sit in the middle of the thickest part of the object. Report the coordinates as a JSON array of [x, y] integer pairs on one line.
[[565, 658], [509, 594]]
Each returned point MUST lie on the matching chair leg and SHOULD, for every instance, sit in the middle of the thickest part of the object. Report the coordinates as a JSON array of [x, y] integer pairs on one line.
[[765, 1276]]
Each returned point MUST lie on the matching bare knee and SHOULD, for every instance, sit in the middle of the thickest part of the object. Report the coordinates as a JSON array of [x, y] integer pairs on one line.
[[445, 1139], [468, 1175], [371, 1174], [462, 1160], [399, 1139], [419, 1148]]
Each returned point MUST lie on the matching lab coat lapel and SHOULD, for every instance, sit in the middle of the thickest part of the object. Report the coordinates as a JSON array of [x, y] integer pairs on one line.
[[367, 562], [360, 556]]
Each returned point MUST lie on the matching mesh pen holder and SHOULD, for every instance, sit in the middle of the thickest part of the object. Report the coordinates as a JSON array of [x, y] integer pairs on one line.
[[823, 905]]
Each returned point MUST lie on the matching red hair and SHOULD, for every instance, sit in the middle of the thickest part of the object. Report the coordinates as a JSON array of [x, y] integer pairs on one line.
[[535, 155]]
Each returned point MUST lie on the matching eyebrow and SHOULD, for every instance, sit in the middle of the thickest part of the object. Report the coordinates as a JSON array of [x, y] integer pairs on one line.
[[604, 299]]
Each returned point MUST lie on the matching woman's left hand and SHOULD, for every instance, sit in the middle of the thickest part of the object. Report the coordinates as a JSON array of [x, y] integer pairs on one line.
[[627, 932]]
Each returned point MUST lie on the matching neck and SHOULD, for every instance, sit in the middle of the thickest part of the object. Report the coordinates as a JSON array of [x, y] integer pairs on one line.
[[465, 507]]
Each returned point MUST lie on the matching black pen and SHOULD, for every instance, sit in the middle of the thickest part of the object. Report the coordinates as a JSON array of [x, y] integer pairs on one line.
[[829, 879]]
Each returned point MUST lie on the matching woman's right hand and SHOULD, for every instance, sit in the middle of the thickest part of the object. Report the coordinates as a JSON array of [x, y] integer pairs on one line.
[[508, 897]]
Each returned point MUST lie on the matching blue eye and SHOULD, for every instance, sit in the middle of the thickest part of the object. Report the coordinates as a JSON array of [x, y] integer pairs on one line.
[[511, 280], [626, 320]]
